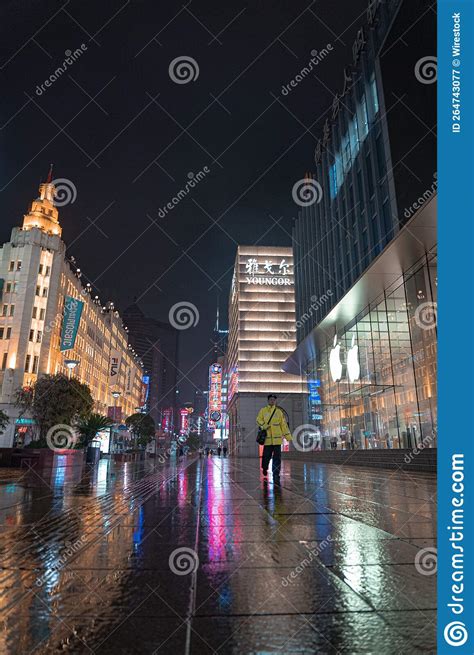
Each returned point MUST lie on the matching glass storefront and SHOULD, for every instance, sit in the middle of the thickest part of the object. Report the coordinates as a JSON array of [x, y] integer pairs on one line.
[[373, 384]]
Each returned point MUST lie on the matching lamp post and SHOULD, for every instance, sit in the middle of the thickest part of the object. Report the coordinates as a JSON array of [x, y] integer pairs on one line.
[[71, 365], [116, 395]]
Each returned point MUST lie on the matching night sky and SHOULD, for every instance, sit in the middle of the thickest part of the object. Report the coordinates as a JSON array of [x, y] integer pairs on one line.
[[127, 136]]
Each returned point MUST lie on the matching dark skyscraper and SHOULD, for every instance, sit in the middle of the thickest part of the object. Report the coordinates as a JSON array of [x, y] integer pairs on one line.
[[157, 345], [375, 157]]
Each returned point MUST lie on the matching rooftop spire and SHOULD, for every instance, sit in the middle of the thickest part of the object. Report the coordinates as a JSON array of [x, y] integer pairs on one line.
[[49, 179]]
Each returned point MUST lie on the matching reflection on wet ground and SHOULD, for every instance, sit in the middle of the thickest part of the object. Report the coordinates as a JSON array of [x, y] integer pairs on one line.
[[202, 556]]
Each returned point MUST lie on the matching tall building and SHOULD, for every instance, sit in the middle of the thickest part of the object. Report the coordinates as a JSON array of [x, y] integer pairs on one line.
[[156, 343], [261, 337], [365, 250], [48, 320]]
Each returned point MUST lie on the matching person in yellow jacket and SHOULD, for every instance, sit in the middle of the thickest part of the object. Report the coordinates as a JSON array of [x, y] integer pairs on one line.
[[272, 419]]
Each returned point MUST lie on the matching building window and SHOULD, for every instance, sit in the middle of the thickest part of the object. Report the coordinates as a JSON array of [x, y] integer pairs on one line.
[[18, 266], [42, 313], [1, 332], [9, 332], [4, 310], [48, 270], [27, 363], [40, 271], [45, 292], [35, 364], [8, 287], [12, 310], [38, 290], [35, 310], [375, 97], [39, 336], [4, 361], [32, 335], [12, 266]]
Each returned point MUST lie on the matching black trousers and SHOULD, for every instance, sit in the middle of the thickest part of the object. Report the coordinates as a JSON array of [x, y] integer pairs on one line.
[[268, 451]]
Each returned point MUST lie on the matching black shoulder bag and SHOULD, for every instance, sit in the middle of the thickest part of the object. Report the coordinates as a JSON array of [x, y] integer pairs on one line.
[[262, 434]]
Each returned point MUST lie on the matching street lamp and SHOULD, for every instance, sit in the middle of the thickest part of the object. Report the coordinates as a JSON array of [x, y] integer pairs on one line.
[[116, 395], [71, 365]]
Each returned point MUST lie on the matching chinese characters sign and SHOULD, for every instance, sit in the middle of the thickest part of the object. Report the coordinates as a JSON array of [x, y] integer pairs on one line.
[[268, 272]]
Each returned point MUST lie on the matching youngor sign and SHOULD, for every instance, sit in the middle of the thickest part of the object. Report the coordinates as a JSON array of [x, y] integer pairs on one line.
[[71, 319]]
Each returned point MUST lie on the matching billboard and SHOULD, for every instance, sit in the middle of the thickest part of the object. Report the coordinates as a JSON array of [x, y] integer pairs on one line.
[[214, 407], [115, 360], [71, 319], [144, 390]]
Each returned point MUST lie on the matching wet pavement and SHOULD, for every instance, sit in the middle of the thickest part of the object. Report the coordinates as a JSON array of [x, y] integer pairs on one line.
[[203, 556]]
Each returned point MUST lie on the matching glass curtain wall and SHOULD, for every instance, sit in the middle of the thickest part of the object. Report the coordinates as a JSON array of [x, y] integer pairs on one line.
[[374, 383]]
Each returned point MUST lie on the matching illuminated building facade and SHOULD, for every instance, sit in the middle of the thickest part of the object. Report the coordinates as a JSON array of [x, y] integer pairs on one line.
[[261, 337], [39, 287], [365, 252]]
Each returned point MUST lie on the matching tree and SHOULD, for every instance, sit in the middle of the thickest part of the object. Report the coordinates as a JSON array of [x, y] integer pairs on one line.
[[142, 426], [89, 425], [55, 400], [4, 420]]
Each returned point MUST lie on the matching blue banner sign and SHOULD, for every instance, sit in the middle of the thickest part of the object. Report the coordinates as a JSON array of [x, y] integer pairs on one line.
[[72, 315]]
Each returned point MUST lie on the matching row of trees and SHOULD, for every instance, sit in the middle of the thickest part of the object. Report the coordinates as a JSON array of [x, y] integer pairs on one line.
[[56, 400]]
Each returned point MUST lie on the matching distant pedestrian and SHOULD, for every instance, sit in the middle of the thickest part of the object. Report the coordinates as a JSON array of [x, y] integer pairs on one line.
[[271, 419], [225, 451], [207, 452], [219, 450], [200, 451]]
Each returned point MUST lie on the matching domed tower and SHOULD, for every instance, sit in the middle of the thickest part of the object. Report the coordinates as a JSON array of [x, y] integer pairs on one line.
[[43, 213]]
